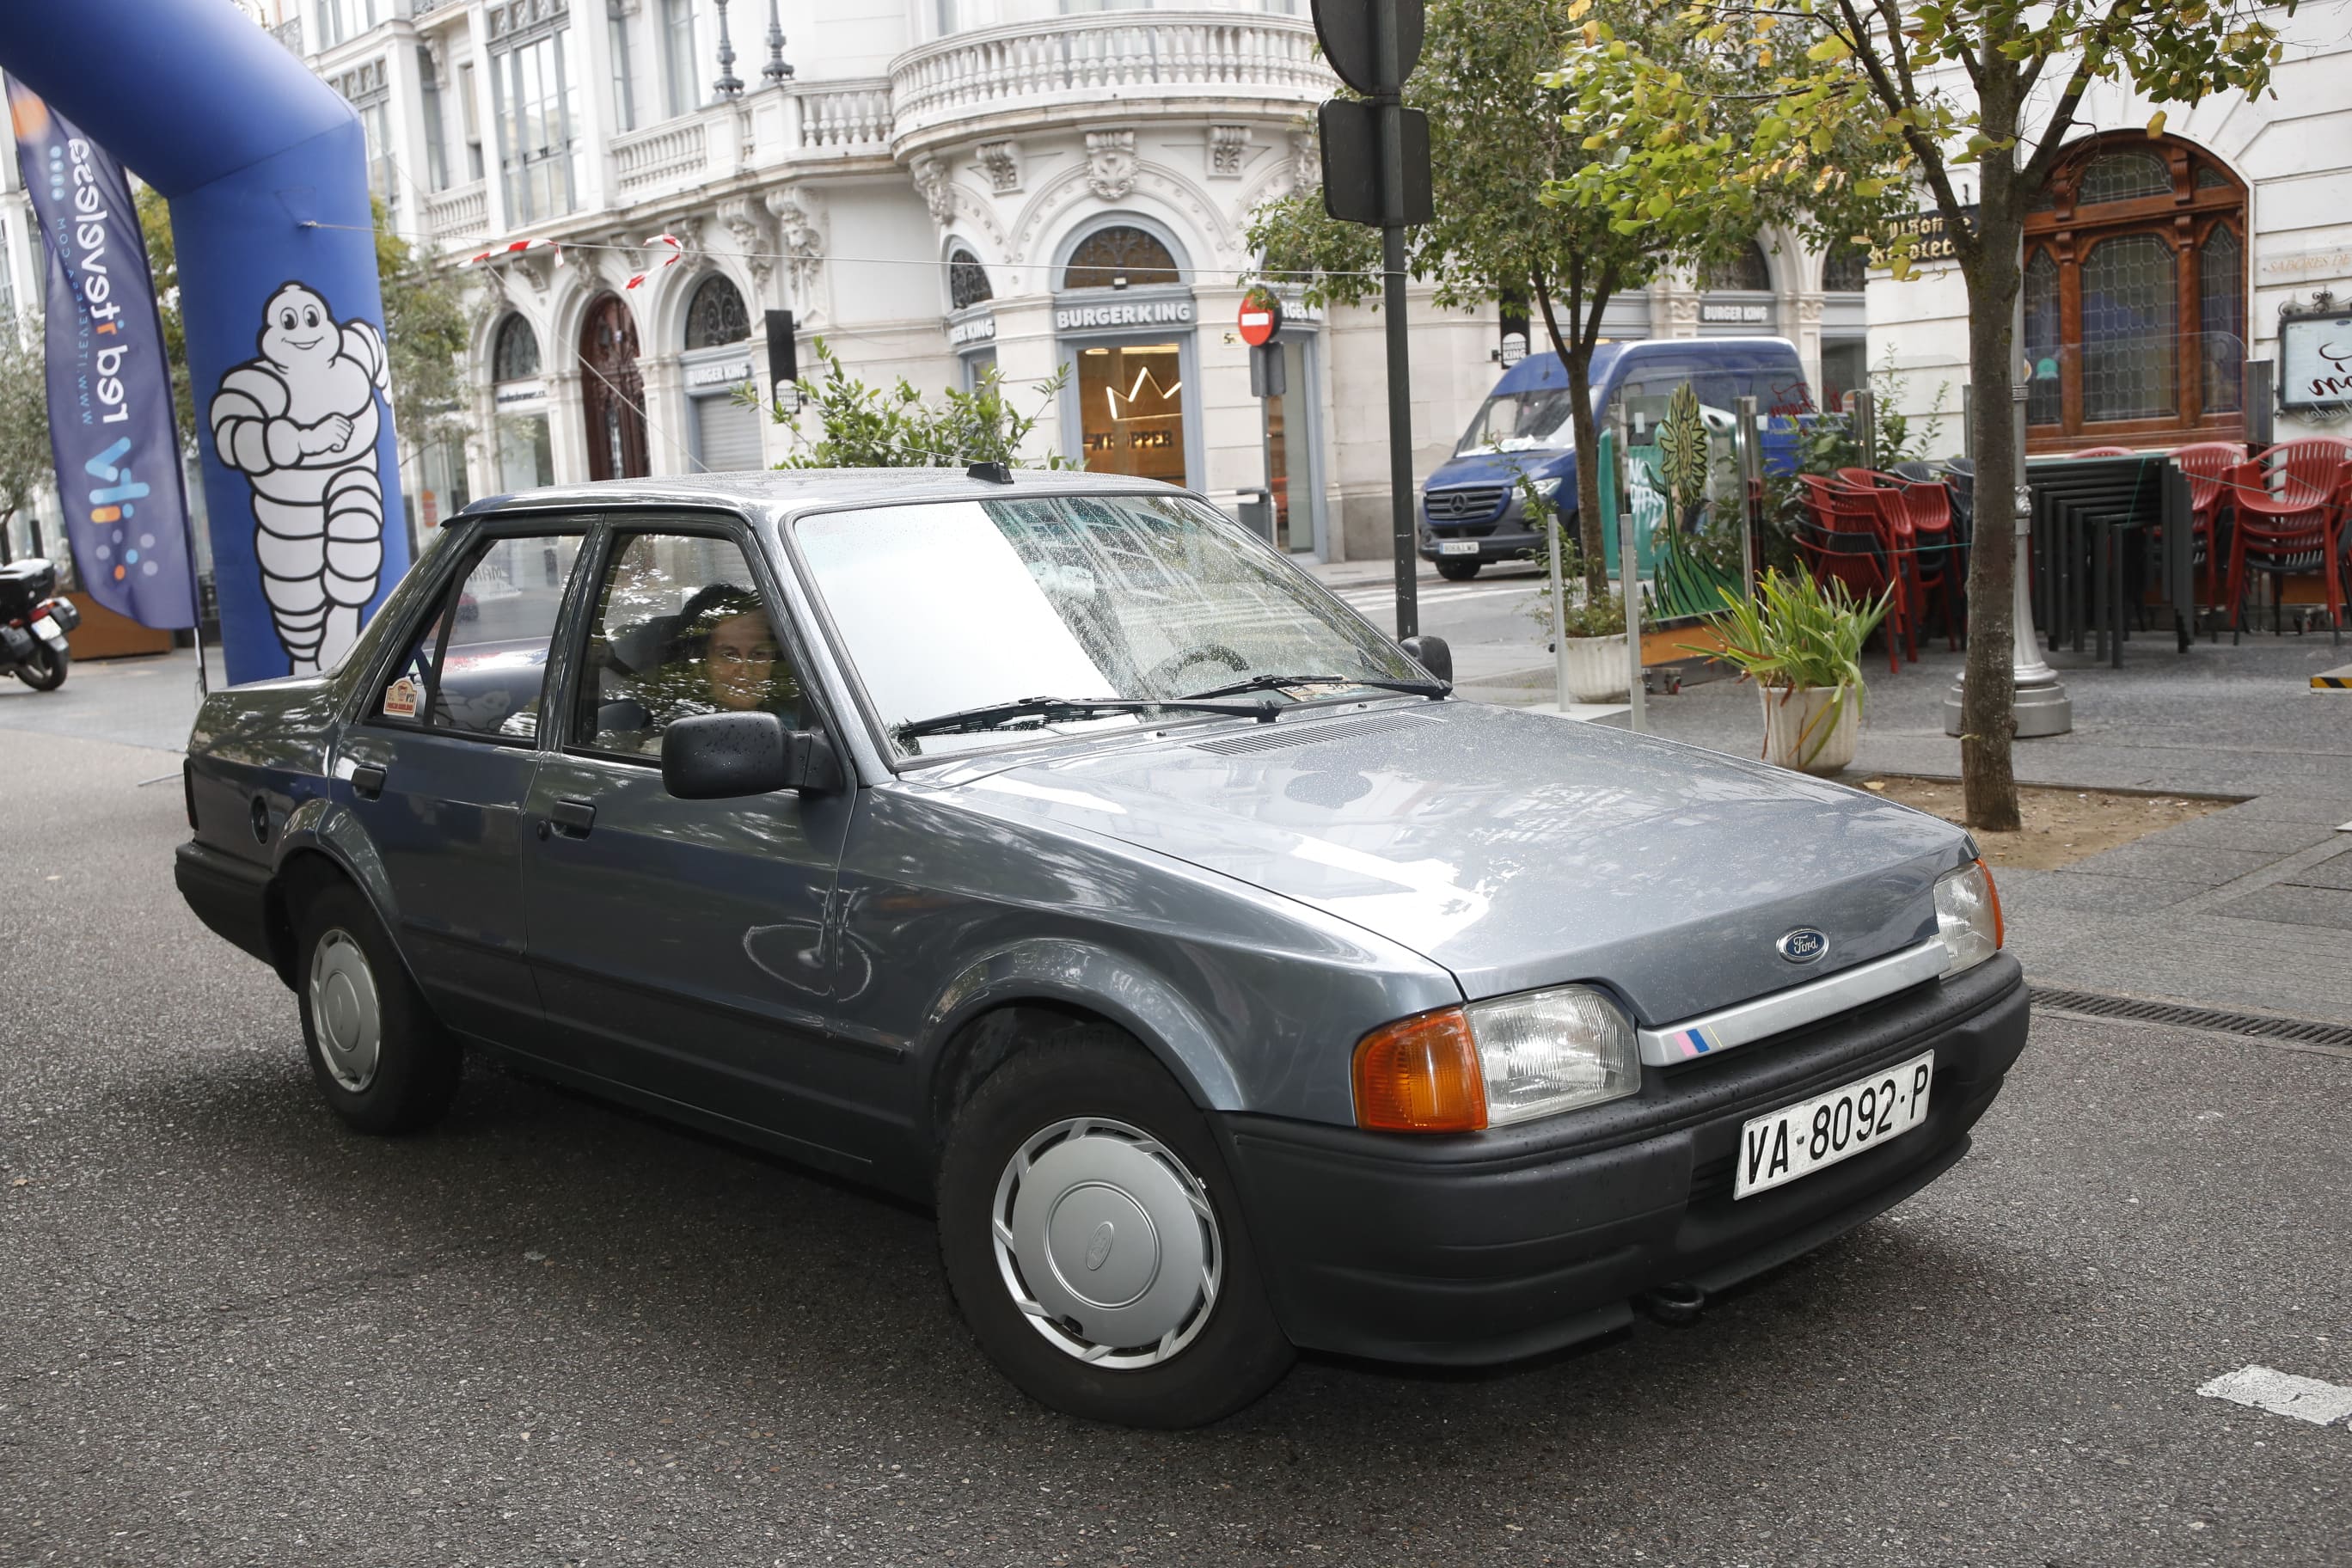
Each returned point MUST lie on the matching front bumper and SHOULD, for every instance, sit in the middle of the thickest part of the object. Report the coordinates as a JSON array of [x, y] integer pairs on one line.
[[1489, 1247], [1511, 540]]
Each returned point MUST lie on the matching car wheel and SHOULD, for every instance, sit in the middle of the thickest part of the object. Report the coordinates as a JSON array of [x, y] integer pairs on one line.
[[382, 1061], [1458, 571], [45, 671], [1092, 1239]]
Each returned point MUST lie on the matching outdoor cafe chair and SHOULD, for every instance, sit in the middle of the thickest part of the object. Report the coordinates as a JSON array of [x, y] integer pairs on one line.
[[2104, 452], [2296, 528], [1843, 537], [1920, 513], [2207, 464]]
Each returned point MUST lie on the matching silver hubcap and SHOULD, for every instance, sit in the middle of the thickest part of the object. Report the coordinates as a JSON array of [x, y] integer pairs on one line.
[[345, 1014], [1106, 1242]]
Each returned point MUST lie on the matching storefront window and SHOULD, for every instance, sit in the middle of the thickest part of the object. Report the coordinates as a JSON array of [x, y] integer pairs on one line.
[[967, 280], [516, 356], [526, 459], [1131, 409], [2135, 295]]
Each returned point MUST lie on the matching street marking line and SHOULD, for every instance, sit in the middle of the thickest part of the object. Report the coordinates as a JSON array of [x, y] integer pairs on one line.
[[2283, 1393]]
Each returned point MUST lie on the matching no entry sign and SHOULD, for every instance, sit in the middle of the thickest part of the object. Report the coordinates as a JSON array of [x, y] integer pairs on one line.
[[1261, 319]]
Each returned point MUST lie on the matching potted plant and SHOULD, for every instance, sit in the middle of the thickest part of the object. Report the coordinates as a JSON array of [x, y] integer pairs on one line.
[[1800, 641], [1595, 666]]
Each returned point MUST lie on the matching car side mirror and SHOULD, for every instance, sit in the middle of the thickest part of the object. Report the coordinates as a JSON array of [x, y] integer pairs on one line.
[[727, 756], [1432, 655]]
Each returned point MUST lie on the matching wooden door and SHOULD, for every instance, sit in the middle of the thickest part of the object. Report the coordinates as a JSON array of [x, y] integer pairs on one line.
[[612, 393]]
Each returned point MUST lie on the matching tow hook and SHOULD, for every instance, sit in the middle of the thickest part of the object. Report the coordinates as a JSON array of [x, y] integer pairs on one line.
[[1678, 1304]]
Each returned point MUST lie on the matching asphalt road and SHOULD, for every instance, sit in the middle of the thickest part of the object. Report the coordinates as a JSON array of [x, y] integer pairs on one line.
[[550, 1332]]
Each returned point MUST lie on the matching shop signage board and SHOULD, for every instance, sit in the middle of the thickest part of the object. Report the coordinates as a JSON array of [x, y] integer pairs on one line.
[[1934, 236], [978, 329], [1741, 313], [1144, 313], [727, 373], [2315, 362]]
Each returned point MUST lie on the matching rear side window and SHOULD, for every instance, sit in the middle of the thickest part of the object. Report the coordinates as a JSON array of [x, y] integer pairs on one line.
[[477, 664]]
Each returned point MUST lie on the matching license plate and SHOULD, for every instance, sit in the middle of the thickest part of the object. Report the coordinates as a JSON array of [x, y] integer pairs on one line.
[[1457, 547], [46, 628], [1801, 1139]]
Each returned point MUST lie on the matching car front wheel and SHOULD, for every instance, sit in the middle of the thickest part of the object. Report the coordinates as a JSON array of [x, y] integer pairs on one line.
[[1458, 571], [1091, 1237], [382, 1061]]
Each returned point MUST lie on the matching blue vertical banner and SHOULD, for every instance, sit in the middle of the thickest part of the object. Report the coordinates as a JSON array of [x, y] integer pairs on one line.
[[110, 431]]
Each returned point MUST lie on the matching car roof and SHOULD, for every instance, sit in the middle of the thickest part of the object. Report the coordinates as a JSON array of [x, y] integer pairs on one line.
[[780, 491], [1730, 354]]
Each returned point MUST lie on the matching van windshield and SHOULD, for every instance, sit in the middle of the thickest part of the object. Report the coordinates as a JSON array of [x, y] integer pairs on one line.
[[1519, 422]]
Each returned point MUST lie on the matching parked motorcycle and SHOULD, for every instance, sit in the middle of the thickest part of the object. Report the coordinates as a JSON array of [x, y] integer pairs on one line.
[[34, 623]]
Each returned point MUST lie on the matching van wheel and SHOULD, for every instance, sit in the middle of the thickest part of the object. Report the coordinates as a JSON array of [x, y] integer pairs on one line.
[[382, 1060], [1093, 1241], [1458, 571]]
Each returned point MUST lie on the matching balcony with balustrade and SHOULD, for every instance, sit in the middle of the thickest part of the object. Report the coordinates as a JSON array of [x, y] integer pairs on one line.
[[1065, 68]]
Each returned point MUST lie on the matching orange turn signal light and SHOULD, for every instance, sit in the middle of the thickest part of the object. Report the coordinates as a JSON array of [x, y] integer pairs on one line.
[[2000, 939], [1420, 1075]]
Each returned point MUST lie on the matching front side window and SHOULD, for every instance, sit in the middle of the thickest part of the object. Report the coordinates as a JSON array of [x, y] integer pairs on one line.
[[476, 665], [680, 628], [947, 606]]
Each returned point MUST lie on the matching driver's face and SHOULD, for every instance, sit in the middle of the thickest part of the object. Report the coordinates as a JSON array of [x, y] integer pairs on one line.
[[742, 662]]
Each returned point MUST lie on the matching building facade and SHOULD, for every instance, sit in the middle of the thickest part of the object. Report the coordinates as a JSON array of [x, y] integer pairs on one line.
[[2154, 266], [933, 187]]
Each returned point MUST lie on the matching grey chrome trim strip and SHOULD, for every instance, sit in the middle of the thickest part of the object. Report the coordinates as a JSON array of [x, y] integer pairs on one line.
[[1784, 1010]]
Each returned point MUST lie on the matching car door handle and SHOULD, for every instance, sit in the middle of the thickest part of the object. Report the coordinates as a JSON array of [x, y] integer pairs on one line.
[[572, 818], [367, 781]]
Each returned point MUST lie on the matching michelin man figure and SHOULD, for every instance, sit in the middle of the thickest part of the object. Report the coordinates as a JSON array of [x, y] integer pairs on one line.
[[299, 421]]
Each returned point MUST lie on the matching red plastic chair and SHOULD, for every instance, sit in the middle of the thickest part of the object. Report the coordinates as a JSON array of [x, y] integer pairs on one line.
[[2105, 452], [1920, 514], [2289, 508], [1844, 538], [2208, 464]]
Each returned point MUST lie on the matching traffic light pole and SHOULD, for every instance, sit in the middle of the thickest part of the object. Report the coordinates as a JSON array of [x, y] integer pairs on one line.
[[1389, 100]]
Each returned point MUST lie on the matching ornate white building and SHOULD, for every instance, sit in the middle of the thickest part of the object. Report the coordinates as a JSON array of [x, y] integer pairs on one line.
[[931, 187]]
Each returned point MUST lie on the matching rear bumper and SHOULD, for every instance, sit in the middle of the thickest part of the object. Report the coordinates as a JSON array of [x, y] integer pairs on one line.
[[229, 895], [1482, 1248]]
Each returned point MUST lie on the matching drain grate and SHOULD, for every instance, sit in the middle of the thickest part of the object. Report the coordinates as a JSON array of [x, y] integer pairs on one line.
[[2295, 1031]]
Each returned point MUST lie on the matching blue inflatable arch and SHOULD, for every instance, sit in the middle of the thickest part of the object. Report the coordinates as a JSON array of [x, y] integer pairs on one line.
[[265, 167]]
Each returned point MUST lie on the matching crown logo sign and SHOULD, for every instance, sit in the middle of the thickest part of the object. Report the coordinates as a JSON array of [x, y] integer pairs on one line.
[[1147, 399]]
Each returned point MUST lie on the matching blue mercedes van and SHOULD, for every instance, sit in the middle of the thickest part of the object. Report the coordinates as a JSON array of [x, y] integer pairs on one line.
[[1472, 509]]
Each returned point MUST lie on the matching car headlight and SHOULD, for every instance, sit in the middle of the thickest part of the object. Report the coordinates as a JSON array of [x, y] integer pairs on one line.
[[1967, 916], [1493, 1063], [1547, 487]]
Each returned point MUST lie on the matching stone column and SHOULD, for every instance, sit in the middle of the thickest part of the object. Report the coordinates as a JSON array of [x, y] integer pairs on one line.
[[567, 434]]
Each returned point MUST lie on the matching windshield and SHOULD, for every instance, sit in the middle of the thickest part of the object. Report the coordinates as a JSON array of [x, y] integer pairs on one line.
[[1520, 422], [949, 606]]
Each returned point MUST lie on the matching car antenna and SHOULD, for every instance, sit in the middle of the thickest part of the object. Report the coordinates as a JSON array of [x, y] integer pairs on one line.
[[993, 472]]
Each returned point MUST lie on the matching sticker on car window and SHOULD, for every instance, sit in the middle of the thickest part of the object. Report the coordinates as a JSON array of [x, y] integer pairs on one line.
[[400, 698]]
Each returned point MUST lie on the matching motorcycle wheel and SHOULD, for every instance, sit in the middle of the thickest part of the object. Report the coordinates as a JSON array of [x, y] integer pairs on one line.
[[46, 671]]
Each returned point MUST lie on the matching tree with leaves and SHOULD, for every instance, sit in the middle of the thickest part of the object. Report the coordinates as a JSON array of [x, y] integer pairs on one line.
[[1948, 85], [862, 426], [28, 466], [1512, 225]]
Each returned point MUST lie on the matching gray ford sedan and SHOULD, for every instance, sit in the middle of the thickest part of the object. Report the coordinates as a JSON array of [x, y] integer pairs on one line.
[[1046, 848]]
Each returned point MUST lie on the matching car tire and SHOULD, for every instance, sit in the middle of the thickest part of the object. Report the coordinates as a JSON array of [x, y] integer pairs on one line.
[[45, 669], [1107, 1134], [385, 1065], [1458, 571]]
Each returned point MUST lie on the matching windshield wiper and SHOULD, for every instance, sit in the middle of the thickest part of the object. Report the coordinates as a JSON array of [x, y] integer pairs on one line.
[[1276, 682], [994, 715]]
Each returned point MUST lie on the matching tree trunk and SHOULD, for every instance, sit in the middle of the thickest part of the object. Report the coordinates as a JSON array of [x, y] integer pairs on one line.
[[1989, 688], [1592, 539]]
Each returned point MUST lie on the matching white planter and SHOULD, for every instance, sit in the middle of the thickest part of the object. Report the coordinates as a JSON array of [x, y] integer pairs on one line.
[[1595, 670], [1799, 733]]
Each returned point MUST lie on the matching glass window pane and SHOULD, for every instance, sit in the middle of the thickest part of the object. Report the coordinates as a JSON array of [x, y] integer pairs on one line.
[[1749, 270], [477, 669], [680, 629], [2130, 321], [1128, 597], [2046, 400], [2123, 177], [716, 315], [1119, 256], [2221, 320], [1132, 410]]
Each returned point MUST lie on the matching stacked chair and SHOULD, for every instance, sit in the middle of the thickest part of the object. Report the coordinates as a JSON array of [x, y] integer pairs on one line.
[[2291, 512], [1875, 532]]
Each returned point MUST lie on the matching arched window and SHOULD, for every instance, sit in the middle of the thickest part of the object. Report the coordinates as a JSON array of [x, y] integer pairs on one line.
[[967, 279], [1749, 270], [514, 356], [1117, 257], [2134, 294], [1846, 269], [715, 315]]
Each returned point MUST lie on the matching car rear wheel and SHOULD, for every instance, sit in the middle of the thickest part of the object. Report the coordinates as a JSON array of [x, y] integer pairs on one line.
[[1093, 1242], [45, 671], [1458, 571], [384, 1063]]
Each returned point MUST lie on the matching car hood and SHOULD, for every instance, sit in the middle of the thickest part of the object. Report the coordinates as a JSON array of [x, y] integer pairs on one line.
[[1515, 850]]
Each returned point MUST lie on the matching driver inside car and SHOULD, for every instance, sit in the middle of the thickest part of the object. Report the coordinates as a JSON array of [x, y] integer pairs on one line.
[[721, 655]]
